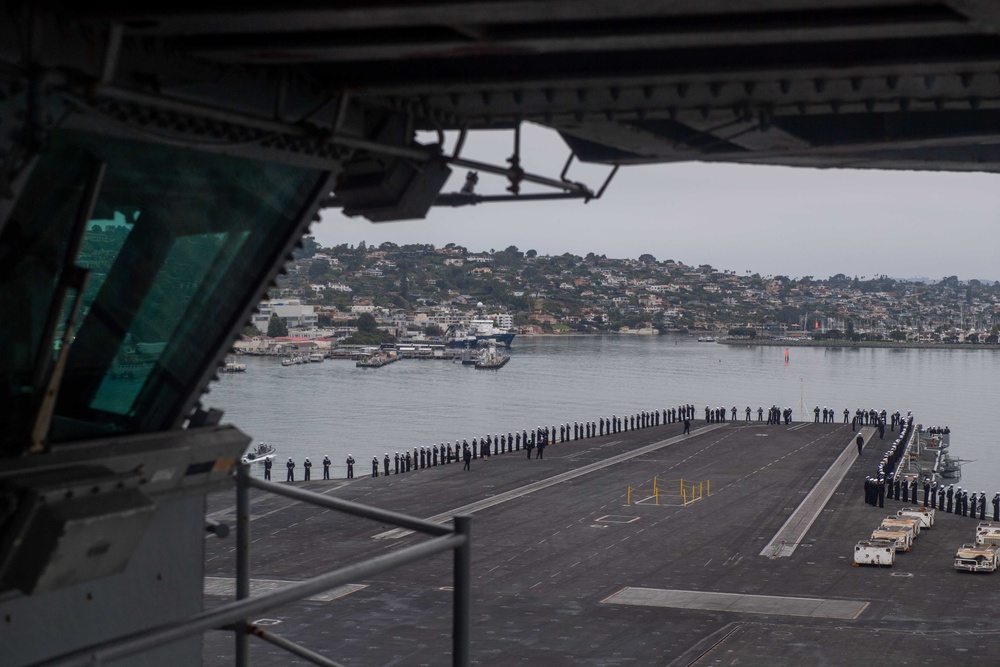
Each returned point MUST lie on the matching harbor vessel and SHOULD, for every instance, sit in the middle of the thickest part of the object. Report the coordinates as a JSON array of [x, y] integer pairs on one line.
[[478, 331], [491, 359], [261, 452], [929, 455], [232, 366], [376, 360]]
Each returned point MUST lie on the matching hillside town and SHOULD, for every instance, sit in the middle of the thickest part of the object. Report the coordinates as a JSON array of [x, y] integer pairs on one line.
[[420, 292]]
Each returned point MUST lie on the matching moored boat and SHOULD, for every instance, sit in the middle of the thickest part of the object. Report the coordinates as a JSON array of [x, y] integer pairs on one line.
[[491, 359], [232, 366]]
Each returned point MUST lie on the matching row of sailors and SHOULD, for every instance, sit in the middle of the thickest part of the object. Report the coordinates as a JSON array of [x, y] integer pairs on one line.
[[445, 453], [870, 417], [774, 414], [952, 500], [890, 460]]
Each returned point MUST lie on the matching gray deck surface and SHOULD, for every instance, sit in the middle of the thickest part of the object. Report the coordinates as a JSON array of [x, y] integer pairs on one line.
[[565, 573]]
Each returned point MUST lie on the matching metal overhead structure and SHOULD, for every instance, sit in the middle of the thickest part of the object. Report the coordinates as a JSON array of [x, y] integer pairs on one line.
[[159, 165]]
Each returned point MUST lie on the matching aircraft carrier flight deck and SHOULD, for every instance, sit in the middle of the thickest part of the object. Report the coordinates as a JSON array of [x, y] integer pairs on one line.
[[742, 552]]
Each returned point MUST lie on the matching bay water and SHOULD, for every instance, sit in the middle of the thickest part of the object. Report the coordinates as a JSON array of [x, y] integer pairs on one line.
[[336, 409]]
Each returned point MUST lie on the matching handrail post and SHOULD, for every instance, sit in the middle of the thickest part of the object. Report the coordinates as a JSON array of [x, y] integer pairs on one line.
[[242, 560], [462, 612]]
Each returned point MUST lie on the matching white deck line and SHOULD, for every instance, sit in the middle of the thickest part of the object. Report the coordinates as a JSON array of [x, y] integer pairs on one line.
[[519, 492], [788, 537]]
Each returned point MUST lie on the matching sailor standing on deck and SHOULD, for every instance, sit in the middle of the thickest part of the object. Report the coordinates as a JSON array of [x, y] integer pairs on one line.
[[350, 467], [267, 468], [385, 464], [951, 498], [374, 466], [687, 426], [861, 443], [982, 505], [307, 468], [326, 467], [467, 457], [397, 463], [290, 477], [996, 506], [927, 492]]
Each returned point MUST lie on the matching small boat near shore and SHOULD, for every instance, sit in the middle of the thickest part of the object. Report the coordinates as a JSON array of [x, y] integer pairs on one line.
[[491, 359], [377, 360], [232, 366]]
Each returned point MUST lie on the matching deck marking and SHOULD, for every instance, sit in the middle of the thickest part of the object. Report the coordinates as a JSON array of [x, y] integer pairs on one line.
[[226, 587], [738, 602], [785, 541], [519, 492]]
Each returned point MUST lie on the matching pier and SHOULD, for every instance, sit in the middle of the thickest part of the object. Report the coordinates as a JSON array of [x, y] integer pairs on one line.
[[565, 572]]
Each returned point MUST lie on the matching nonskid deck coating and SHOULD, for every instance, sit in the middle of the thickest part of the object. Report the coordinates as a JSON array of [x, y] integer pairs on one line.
[[544, 562]]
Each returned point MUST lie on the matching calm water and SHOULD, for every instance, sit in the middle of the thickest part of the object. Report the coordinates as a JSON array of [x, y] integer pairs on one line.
[[336, 409]]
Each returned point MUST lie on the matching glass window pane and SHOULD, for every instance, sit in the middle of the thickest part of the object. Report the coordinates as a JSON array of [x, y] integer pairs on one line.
[[178, 241]]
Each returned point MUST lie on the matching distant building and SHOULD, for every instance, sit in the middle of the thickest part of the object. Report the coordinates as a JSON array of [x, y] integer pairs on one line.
[[295, 314]]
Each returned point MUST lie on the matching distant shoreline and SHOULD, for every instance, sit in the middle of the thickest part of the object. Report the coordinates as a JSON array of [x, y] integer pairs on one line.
[[849, 343]]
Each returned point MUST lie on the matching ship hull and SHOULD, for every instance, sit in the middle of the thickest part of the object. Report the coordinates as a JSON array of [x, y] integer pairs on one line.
[[504, 339]]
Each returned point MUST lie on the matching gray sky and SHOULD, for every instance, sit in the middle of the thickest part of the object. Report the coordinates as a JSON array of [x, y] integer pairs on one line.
[[770, 220]]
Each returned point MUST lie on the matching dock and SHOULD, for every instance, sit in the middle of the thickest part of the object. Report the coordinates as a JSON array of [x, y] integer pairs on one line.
[[753, 566]]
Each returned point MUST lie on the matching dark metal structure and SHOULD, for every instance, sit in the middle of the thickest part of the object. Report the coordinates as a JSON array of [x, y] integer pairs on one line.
[[159, 166]]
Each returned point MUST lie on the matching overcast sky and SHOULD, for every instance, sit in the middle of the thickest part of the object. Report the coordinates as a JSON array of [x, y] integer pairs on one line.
[[769, 220]]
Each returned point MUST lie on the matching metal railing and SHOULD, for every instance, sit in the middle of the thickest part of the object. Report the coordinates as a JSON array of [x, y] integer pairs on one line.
[[234, 616], [687, 492]]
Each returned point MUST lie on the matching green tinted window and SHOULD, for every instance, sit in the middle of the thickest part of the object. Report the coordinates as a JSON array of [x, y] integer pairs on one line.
[[177, 243]]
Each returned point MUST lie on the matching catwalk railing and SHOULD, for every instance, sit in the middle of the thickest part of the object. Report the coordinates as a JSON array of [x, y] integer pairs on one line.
[[234, 616]]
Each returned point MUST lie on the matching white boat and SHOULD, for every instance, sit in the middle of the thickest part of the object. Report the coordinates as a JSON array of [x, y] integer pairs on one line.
[[262, 452], [232, 366], [706, 339], [491, 359], [316, 357]]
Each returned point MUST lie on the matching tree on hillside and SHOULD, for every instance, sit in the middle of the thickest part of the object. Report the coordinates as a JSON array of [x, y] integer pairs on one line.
[[318, 269], [276, 326], [367, 323], [309, 248]]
